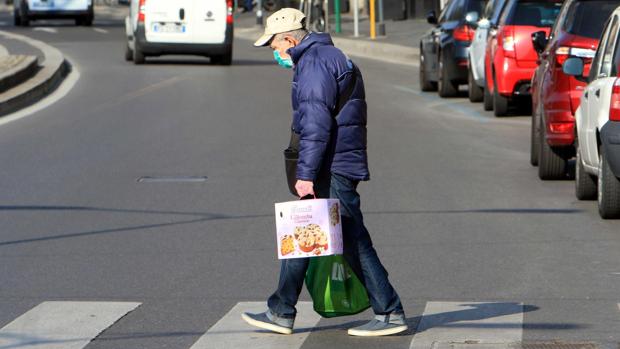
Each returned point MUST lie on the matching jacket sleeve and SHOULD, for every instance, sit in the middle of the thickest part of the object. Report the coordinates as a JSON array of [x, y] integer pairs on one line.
[[316, 95]]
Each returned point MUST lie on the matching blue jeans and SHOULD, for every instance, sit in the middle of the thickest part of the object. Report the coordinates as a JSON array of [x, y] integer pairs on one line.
[[358, 251]]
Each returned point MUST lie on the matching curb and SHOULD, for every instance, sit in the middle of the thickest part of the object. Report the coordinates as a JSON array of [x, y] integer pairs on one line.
[[379, 51], [53, 70], [22, 71]]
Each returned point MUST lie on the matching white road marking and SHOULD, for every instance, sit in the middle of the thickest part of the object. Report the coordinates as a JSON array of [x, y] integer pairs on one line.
[[62, 325], [444, 323], [55, 96], [45, 29], [99, 30], [234, 333]]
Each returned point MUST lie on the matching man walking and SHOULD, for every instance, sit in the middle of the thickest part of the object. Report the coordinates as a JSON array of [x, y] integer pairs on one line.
[[329, 116]]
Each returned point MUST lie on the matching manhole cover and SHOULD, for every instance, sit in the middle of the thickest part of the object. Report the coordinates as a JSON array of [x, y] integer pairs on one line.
[[172, 179]]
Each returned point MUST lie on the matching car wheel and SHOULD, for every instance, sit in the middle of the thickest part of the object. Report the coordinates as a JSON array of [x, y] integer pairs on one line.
[[445, 86], [138, 55], [608, 190], [128, 53], [534, 140], [500, 103], [16, 19], [225, 59], [475, 92], [585, 184], [551, 165], [87, 21], [487, 98], [425, 84]]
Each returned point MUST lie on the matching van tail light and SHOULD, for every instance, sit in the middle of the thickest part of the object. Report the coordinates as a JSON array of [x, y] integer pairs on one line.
[[564, 52], [464, 33], [508, 43], [229, 13], [141, 11], [614, 105]]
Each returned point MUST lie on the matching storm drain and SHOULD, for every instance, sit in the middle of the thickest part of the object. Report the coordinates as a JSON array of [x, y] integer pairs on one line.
[[172, 179]]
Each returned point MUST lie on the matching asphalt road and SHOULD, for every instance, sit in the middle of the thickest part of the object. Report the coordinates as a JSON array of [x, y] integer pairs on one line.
[[456, 212]]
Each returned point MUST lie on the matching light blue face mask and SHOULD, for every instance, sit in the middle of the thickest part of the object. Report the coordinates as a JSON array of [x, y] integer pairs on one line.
[[285, 63]]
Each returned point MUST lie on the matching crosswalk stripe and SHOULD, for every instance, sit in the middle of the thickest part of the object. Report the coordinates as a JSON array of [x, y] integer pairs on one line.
[[45, 29], [99, 30], [446, 324], [62, 325], [232, 332]]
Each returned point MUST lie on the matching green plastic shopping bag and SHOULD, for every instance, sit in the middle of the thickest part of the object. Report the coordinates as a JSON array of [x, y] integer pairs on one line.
[[334, 287]]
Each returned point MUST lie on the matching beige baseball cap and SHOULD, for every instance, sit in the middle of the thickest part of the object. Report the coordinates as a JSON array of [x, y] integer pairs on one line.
[[282, 21]]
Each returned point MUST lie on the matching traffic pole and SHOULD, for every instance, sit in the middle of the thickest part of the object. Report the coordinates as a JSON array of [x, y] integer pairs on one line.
[[337, 16], [373, 28], [380, 25], [356, 18], [259, 13]]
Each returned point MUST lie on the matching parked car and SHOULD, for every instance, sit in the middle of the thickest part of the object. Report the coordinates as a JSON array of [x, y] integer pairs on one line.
[[443, 50], [24, 11], [598, 123], [477, 49], [158, 27], [555, 95], [510, 58]]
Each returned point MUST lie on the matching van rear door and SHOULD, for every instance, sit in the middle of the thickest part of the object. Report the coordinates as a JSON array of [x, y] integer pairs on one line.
[[168, 21], [209, 21]]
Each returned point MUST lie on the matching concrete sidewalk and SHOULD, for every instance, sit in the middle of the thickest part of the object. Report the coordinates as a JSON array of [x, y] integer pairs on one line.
[[399, 46]]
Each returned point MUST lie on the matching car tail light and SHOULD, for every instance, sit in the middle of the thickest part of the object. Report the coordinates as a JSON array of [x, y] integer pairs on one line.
[[229, 13], [463, 33], [508, 43], [614, 105], [564, 52], [141, 11], [561, 127]]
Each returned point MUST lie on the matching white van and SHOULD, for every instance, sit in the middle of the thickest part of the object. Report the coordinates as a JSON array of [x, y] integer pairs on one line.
[[196, 27], [81, 11]]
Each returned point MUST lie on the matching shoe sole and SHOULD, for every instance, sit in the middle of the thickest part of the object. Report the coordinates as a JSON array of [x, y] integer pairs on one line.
[[387, 332], [266, 326]]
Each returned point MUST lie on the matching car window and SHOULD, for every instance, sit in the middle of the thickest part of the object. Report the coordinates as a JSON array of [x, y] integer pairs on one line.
[[498, 7], [457, 11], [584, 17], [616, 62], [536, 13], [608, 53], [596, 61], [475, 6], [445, 10], [561, 17], [488, 9]]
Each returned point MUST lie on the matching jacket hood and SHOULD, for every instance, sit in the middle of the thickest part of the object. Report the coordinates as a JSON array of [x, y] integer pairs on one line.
[[312, 39]]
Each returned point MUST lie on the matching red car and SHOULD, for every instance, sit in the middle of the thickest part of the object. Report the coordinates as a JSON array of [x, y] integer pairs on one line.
[[555, 95], [511, 58]]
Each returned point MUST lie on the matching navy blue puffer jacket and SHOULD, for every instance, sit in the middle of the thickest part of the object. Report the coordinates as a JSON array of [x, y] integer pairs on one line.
[[332, 132]]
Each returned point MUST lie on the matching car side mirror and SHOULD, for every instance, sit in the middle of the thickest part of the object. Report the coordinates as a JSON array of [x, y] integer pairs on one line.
[[472, 19], [574, 67], [539, 40], [431, 17]]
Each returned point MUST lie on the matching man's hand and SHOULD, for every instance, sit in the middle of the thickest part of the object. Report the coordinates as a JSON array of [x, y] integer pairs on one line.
[[304, 188]]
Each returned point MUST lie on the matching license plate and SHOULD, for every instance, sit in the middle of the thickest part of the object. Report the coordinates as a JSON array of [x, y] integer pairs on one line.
[[43, 3], [164, 28]]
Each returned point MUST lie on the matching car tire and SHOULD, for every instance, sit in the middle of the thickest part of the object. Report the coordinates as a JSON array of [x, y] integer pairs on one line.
[[87, 21], [585, 183], [534, 140], [225, 59], [500, 103], [608, 190], [138, 55], [425, 84], [17, 21], [79, 21], [128, 53], [476, 94], [487, 99], [445, 86], [551, 165]]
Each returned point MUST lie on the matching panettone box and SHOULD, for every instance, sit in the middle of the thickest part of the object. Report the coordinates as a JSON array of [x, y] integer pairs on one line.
[[308, 228]]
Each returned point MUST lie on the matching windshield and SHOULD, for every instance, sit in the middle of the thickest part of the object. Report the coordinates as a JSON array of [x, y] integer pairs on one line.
[[534, 13], [584, 18]]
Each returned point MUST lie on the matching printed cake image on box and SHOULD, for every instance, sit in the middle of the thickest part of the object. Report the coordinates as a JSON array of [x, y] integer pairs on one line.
[[308, 228]]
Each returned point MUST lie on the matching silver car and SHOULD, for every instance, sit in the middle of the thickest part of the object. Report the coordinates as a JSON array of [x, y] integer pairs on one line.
[[477, 49]]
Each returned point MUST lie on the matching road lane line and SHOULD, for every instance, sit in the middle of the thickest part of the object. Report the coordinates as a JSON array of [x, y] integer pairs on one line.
[[62, 325], [99, 30], [45, 29], [232, 332], [496, 325]]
